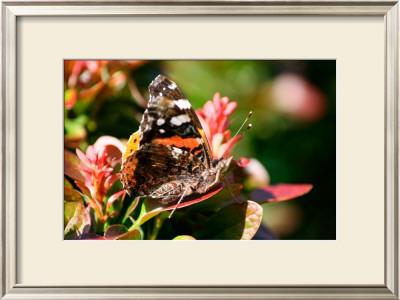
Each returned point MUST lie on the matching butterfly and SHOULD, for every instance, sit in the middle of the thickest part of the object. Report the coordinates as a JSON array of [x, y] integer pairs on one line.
[[169, 158]]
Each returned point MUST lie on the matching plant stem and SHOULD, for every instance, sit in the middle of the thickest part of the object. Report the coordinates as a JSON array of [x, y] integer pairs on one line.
[[136, 93], [130, 209], [157, 225]]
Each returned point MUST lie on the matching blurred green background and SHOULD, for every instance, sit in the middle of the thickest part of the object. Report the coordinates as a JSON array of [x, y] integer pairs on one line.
[[294, 118]]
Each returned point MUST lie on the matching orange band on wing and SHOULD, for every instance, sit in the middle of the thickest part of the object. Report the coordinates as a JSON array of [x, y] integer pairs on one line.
[[178, 142]]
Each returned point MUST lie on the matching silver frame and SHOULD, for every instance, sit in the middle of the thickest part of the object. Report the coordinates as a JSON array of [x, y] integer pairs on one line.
[[11, 10]]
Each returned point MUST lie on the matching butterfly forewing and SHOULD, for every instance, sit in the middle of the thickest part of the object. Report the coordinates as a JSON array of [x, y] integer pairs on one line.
[[171, 120]]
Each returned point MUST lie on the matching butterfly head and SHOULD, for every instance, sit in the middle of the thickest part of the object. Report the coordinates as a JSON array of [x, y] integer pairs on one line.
[[223, 164]]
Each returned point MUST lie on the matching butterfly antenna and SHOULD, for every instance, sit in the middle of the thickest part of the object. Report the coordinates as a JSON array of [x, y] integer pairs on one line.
[[230, 144], [245, 121], [233, 139]]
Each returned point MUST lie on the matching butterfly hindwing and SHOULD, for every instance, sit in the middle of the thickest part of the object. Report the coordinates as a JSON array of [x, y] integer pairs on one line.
[[144, 172]]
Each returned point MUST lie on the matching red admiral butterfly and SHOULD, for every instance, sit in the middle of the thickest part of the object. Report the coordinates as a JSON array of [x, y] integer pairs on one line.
[[171, 159]]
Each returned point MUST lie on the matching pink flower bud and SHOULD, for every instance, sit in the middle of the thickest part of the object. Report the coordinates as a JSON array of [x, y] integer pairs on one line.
[[257, 175], [297, 98]]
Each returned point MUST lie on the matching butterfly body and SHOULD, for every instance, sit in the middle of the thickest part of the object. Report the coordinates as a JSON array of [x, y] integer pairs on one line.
[[173, 157]]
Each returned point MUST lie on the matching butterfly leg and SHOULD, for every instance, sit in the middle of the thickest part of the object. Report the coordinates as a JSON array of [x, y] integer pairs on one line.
[[230, 191], [183, 195]]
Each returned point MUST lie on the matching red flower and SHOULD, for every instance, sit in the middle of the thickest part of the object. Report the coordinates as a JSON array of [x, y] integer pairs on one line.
[[97, 172], [96, 166], [214, 119]]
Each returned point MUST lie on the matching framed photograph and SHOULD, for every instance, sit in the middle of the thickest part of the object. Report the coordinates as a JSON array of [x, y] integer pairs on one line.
[[129, 126]]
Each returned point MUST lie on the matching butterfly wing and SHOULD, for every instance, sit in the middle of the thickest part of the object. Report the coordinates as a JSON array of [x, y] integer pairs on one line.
[[173, 150], [171, 120], [153, 170]]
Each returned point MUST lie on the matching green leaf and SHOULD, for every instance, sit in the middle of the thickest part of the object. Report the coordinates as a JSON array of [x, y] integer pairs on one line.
[[120, 232], [75, 128], [76, 219], [131, 209], [72, 195], [150, 208], [70, 97], [238, 221], [131, 235], [69, 210], [184, 238], [92, 214], [67, 183]]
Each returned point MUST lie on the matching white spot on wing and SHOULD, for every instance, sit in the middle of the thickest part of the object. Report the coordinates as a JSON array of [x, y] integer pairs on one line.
[[172, 86], [183, 104], [160, 122], [176, 152], [162, 130], [160, 94], [177, 121]]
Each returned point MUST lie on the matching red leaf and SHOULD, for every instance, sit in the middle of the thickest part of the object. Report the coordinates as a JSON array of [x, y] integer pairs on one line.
[[113, 198], [111, 180], [91, 155], [190, 200], [82, 156], [120, 232], [152, 207], [90, 93], [90, 236], [279, 192], [71, 162], [230, 108], [84, 189], [114, 146]]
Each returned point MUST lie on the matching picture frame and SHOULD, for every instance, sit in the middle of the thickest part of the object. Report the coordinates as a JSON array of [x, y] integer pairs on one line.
[[11, 11]]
